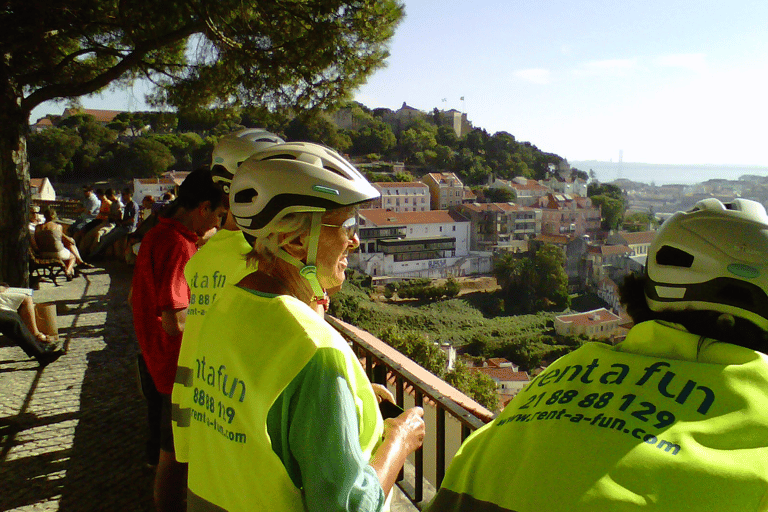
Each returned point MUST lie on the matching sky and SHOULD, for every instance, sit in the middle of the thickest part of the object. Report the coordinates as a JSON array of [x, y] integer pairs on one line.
[[663, 82]]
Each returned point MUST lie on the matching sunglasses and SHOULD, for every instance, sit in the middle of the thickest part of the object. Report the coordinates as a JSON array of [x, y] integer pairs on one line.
[[349, 225]]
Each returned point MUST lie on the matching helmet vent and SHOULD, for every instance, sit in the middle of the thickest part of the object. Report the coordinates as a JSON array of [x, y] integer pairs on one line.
[[246, 196], [335, 171], [674, 257], [282, 156]]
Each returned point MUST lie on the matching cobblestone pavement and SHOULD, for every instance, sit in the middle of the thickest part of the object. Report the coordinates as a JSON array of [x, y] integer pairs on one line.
[[72, 434]]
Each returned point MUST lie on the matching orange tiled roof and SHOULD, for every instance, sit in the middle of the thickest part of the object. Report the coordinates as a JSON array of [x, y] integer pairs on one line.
[[400, 184], [609, 250], [502, 374], [380, 217], [103, 116], [594, 317], [642, 237], [529, 185]]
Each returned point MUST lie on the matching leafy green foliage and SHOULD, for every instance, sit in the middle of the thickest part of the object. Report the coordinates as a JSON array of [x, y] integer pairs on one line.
[[498, 195], [477, 385], [51, 150], [416, 347], [535, 281], [423, 289]]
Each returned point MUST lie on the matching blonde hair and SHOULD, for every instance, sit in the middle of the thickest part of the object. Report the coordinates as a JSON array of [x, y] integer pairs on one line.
[[265, 247]]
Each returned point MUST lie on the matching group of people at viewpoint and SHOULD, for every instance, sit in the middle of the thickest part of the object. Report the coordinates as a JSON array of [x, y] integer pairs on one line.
[[105, 220], [256, 403]]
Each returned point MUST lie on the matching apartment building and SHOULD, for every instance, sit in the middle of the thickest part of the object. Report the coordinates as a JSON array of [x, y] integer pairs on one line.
[[561, 185], [403, 196], [501, 226], [432, 243], [527, 192], [445, 189], [609, 261], [566, 214]]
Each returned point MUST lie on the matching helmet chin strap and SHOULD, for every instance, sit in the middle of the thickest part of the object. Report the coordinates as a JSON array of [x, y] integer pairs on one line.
[[308, 270]]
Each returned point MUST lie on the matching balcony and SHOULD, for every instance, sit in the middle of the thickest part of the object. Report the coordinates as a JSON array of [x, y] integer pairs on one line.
[[450, 415], [62, 427]]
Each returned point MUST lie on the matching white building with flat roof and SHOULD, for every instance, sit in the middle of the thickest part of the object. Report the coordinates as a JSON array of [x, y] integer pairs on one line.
[[398, 197], [432, 243]]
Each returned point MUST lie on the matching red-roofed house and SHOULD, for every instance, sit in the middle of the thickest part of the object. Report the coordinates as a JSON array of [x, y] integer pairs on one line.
[[639, 242], [598, 323], [508, 379], [41, 124], [403, 196], [432, 243], [445, 188], [103, 117], [41, 188], [527, 192]]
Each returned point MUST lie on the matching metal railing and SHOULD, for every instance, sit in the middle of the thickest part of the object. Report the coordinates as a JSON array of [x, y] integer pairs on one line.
[[380, 369]]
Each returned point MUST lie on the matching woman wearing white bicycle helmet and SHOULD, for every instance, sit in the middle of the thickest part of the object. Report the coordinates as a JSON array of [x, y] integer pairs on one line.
[[671, 419], [284, 417], [234, 148], [221, 261]]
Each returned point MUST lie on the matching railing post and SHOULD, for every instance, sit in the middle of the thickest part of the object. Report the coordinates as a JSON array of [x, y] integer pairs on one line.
[[379, 374], [440, 445], [419, 458], [400, 399]]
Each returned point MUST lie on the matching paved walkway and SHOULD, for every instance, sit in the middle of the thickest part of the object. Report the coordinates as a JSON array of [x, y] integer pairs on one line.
[[72, 434]]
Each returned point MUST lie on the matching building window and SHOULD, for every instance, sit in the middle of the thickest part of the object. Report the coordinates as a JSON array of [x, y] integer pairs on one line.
[[454, 228], [441, 229]]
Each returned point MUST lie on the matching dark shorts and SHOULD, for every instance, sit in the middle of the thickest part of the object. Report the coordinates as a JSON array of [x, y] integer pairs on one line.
[[166, 430]]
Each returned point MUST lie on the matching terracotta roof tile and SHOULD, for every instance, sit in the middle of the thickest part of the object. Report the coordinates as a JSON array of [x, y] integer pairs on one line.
[[502, 374], [594, 317], [380, 217], [386, 184]]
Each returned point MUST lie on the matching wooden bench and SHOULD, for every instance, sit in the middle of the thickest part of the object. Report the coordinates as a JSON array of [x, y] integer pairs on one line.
[[49, 268]]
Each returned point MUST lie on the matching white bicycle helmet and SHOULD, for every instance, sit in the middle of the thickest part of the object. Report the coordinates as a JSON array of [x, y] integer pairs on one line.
[[291, 178], [235, 148], [713, 257]]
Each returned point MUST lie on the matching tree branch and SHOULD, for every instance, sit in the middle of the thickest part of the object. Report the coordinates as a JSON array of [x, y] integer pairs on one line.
[[100, 81]]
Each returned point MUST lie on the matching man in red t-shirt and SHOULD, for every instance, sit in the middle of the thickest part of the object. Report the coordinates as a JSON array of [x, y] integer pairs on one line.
[[159, 298]]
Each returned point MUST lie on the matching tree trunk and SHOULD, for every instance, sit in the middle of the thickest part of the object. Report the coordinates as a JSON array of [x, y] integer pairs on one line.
[[14, 189]]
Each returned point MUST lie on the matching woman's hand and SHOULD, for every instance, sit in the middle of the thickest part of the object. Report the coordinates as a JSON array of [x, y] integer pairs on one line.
[[402, 436], [409, 428], [382, 393]]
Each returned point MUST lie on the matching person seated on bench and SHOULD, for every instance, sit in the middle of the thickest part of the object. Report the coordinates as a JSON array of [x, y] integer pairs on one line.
[[17, 322], [51, 242]]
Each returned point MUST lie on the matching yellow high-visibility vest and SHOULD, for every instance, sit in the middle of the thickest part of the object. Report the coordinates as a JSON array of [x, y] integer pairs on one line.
[[251, 348], [219, 263], [665, 421]]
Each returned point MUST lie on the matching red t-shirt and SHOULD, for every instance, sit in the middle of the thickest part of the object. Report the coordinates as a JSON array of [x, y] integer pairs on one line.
[[159, 285]]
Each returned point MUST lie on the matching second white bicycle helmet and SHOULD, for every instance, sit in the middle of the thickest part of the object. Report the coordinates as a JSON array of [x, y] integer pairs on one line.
[[713, 257], [234, 148], [291, 178]]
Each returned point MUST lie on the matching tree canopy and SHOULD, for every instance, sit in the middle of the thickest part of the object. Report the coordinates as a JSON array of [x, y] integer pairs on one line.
[[535, 282], [196, 53]]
